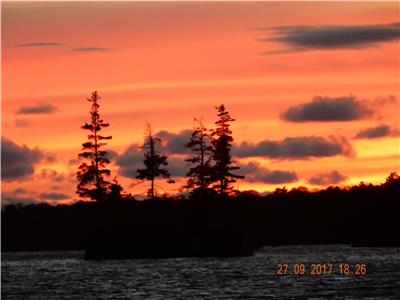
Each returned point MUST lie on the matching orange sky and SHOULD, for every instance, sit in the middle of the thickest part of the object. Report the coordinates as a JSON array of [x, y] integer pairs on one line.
[[166, 63]]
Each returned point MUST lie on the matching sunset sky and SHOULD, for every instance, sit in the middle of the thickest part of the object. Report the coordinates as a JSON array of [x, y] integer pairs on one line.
[[314, 88]]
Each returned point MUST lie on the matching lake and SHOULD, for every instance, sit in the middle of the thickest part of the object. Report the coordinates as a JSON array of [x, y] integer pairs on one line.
[[65, 275]]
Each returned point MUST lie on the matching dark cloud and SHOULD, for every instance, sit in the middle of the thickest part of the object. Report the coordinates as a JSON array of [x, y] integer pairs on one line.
[[90, 49], [175, 142], [73, 161], [20, 191], [37, 109], [177, 166], [326, 109], [333, 177], [21, 122], [10, 198], [301, 38], [52, 175], [111, 154], [53, 196], [376, 132], [172, 144], [296, 148], [39, 44], [130, 161], [18, 161], [384, 100], [254, 172]]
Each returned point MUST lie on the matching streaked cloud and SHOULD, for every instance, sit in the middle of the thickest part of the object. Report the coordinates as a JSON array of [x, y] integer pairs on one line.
[[37, 109], [11, 198], [39, 44], [327, 109], [54, 196], [333, 177], [21, 123], [20, 191], [90, 49]]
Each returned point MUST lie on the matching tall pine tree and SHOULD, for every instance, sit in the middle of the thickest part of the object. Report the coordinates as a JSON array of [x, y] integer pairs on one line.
[[155, 163], [200, 163], [93, 170], [222, 143]]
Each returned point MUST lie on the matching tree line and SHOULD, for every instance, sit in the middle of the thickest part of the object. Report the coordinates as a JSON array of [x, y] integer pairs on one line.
[[210, 168]]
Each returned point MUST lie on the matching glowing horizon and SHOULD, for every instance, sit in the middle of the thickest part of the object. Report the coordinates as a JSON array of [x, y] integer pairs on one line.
[[167, 63]]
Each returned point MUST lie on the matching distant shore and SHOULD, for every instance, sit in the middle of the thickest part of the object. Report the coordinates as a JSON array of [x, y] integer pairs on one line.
[[363, 215]]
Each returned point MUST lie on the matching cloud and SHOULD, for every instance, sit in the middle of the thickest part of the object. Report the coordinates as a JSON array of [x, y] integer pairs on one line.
[[52, 175], [177, 166], [130, 161], [333, 177], [90, 49], [20, 191], [111, 154], [16, 198], [39, 44], [327, 109], [376, 132], [37, 109], [18, 161], [53, 196], [254, 172], [174, 142], [21, 122], [301, 38], [296, 148], [8, 198]]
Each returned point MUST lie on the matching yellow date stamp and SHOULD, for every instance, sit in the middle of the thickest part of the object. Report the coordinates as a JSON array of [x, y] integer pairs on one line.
[[320, 269]]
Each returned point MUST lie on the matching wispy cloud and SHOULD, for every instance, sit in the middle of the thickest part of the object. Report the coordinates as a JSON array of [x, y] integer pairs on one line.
[[21, 122], [90, 49], [39, 44], [37, 109], [301, 38], [54, 196]]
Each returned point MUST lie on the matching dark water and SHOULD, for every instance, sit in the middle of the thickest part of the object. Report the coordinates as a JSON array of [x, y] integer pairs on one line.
[[55, 275]]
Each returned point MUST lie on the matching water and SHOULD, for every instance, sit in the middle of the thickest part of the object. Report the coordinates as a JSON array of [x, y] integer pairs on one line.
[[55, 275]]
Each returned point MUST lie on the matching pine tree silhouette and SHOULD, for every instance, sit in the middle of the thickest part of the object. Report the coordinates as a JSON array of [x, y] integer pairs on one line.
[[155, 163], [92, 172], [200, 163], [222, 143]]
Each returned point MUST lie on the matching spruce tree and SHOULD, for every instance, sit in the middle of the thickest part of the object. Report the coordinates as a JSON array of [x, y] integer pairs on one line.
[[94, 168], [222, 143], [200, 163], [155, 163]]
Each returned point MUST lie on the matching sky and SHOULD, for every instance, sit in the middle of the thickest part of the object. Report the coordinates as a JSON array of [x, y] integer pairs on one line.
[[314, 89]]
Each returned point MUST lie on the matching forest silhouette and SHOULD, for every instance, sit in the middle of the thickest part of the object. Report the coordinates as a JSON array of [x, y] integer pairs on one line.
[[212, 220]]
